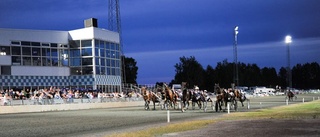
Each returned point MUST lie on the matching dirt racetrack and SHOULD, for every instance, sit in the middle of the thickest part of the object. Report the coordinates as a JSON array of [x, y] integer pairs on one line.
[[257, 128]]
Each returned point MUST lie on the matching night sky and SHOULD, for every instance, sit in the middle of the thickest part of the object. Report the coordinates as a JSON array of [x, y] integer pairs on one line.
[[157, 32]]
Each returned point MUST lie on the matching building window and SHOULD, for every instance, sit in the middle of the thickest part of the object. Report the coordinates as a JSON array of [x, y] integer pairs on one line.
[[5, 70], [86, 51], [76, 71], [75, 62], [36, 61], [36, 52], [15, 42], [86, 43], [26, 51], [87, 70], [16, 60], [25, 43], [86, 61], [35, 43], [4, 50], [16, 50], [26, 61]]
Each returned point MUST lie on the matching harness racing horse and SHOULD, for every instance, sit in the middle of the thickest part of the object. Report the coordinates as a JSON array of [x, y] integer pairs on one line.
[[290, 96], [221, 97], [149, 96], [240, 96], [170, 96], [186, 96]]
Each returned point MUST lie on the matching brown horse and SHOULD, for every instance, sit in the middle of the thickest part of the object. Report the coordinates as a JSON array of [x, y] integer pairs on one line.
[[149, 96], [170, 96], [290, 96]]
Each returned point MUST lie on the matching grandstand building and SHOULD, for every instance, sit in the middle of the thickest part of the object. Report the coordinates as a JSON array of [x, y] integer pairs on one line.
[[87, 58]]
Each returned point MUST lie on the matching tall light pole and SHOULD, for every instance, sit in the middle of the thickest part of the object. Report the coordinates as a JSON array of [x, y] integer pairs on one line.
[[235, 57], [288, 41]]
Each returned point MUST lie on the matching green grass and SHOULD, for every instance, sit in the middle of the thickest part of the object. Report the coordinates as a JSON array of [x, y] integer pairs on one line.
[[309, 110]]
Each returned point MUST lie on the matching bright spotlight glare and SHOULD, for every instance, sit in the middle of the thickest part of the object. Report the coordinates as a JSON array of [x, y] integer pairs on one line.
[[288, 39]]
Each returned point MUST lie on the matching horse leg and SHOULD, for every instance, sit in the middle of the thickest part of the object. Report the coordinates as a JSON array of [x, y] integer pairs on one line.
[[154, 105]]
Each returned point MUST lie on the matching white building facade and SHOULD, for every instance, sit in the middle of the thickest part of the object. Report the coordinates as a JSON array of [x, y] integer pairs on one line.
[[87, 58]]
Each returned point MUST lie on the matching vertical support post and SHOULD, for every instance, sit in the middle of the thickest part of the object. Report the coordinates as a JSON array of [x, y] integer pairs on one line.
[[302, 100], [287, 102], [248, 104], [260, 105], [312, 98], [228, 108], [168, 116]]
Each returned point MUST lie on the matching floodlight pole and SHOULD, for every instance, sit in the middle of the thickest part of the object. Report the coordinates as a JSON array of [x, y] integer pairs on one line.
[[235, 57], [288, 41]]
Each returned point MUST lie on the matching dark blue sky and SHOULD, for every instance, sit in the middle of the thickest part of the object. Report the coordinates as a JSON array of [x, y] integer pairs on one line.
[[157, 32]]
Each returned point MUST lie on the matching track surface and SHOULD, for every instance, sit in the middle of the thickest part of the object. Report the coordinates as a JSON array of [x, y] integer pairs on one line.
[[101, 122]]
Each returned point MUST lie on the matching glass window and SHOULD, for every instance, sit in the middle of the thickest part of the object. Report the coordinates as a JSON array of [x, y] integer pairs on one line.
[[16, 50], [103, 61], [108, 54], [26, 61], [108, 62], [96, 52], [113, 54], [26, 43], [35, 51], [86, 61], [86, 43], [108, 71], [102, 53], [117, 55], [113, 63], [112, 46], [54, 53], [55, 61], [97, 61], [4, 50], [74, 43], [26, 51], [35, 43], [15, 42], [5, 70], [45, 44], [113, 71], [45, 52], [46, 61], [36, 61], [54, 45], [117, 47], [75, 71], [65, 62], [16, 60], [74, 52], [75, 61], [87, 70], [103, 71], [87, 52], [98, 70]]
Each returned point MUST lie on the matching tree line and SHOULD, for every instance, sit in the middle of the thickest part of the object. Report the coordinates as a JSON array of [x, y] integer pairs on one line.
[[304, 76]]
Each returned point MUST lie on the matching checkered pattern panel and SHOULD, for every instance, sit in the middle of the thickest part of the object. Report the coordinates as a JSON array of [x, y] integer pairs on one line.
[[34, 80], [107, 80], [81, 80]]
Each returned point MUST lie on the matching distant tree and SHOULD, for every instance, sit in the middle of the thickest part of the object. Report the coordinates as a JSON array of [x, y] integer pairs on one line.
[[131, 69], [189, 70], [224, 74], [209, 78], [306, 76], [269, 77], [282, 78]]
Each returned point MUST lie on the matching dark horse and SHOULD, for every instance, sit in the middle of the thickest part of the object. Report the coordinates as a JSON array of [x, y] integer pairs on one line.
[[186, 96], [149, 96], [290, 96]]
